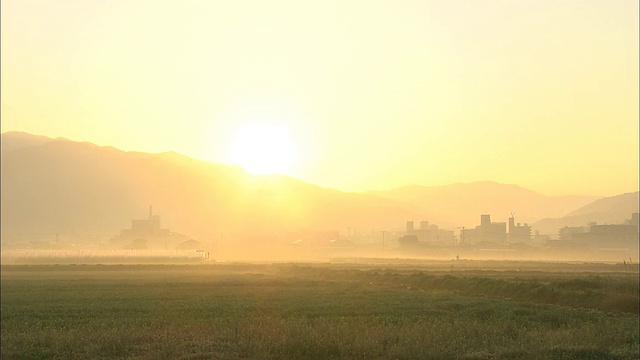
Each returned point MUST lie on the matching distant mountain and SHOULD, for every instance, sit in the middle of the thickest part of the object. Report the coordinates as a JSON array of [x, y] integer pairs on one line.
[[52, 186], [462, 204], [17, 140], [619, 207], [609, 210], [58, 186]]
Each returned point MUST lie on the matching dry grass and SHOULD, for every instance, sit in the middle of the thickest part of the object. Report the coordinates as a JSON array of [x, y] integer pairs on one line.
[[314, 311]]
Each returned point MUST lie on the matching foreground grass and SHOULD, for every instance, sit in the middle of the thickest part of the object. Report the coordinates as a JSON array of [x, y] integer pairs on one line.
[[287, 311]]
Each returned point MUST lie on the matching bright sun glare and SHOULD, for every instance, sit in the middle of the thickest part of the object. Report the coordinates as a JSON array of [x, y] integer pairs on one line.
[[263, 149]]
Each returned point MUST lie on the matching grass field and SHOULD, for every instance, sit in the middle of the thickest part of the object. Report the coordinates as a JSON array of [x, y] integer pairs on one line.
[[419, 310]]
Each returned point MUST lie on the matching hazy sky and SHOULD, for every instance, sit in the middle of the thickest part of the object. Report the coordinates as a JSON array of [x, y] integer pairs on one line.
[[371, 94]]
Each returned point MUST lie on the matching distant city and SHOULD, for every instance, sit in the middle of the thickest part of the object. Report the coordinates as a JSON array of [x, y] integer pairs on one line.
[[487, 236], [516, 235], [61, 195]]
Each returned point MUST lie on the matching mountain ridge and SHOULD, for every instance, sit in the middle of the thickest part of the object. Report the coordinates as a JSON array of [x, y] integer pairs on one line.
[[464, 202], [57, 185], [52, 181], [609, 210]]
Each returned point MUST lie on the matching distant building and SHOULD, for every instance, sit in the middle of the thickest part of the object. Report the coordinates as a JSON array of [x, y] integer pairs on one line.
[[147, 234], [604, 236], [517, 232], [567, 233], [424, 225], [409, 226], [427, 234], [486, 232], [408, 240], [145, 227], [540, 239]]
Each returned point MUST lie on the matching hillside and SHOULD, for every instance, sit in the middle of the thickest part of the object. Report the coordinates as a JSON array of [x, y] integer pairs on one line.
[[60, 186], [462, 204], [609, 210], [17, 140]]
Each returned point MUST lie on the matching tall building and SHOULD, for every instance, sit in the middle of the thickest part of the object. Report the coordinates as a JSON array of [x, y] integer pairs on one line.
[[409, 226], [518, 232], [424, 225], [486, 232], [427, 234], [604, 236], [145, 227]]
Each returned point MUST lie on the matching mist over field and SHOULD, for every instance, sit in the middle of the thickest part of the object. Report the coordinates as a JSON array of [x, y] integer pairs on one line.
[[114, 254]]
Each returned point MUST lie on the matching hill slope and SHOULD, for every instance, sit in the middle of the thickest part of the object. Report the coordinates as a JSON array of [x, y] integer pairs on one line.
[[609, 210], [16, 140], [54, 186], [60, 186], [462, 204]]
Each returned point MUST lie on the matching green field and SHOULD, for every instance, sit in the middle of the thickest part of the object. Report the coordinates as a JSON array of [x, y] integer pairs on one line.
[[349, 310]]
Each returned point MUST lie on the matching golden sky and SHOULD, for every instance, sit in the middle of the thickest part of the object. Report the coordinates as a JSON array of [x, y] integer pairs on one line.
[[368, 94]]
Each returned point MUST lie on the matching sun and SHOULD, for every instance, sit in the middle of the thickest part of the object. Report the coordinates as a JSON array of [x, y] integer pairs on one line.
[[263, 149]]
